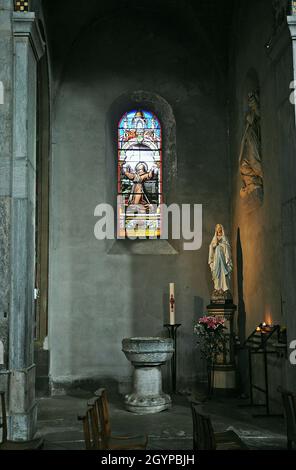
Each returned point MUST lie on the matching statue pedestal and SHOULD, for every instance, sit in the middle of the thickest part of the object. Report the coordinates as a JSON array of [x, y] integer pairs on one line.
[[224, 377]]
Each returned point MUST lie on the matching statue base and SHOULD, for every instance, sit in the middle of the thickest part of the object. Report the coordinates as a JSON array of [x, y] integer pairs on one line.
[[221, 297], [224, 377]]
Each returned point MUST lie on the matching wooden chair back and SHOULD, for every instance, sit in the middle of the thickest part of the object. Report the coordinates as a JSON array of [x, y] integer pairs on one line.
[[97, 429], [3, 423], [203, 433], [96, 422], [289, 403], [103, 417], [89, 429]]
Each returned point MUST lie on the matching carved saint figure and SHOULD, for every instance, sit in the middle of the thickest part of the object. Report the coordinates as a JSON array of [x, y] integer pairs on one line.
[[220, 262], [280, 12], [141, 174], [250, 154]]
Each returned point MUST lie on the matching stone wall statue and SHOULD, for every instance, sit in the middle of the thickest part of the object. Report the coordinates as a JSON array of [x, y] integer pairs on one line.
[[280, 11], [250, 155], [221, 266]]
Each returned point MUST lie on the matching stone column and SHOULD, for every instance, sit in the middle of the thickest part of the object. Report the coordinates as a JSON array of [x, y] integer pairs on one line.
[[28, 48], [282, 53], [6, 74], [292, 26], [289, 217]]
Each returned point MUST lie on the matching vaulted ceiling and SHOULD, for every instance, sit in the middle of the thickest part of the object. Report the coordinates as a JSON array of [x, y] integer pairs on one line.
[[66, 19]]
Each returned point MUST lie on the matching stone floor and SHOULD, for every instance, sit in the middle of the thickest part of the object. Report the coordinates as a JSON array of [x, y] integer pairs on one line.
[[169, 430]]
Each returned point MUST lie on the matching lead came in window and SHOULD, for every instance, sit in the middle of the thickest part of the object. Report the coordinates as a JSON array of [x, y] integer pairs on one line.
[[139, 175]]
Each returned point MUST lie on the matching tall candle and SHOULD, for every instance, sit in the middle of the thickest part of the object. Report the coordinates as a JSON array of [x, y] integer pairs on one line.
[[172, 304]]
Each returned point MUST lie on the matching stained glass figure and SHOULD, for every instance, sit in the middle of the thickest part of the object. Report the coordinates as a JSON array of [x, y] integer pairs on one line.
[[139, 175]]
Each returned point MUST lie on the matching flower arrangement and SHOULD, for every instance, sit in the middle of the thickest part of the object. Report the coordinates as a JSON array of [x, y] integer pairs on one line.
[[212, 340]]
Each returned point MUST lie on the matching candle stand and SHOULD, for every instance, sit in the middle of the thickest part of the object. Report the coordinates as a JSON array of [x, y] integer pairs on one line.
[[172, 329], [260, 342]]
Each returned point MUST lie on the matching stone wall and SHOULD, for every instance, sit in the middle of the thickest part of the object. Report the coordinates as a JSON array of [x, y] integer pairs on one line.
[[164, 60], [261, 57], [98, 297]]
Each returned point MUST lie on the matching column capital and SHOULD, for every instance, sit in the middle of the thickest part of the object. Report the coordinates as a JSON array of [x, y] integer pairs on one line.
[[25, 25]]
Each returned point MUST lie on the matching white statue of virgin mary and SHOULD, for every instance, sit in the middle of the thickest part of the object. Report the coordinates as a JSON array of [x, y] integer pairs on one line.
[[220, 260]]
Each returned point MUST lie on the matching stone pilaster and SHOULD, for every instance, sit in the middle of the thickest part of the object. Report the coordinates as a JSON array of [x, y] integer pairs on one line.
[[6, 74], [28, 48], [289, 234], [292, 26]]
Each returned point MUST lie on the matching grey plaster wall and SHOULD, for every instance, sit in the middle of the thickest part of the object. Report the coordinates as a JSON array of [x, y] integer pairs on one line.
[[261, 283], [96, 298]]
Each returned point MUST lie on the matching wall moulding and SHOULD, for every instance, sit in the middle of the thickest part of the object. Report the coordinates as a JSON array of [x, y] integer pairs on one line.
[[25, 25]]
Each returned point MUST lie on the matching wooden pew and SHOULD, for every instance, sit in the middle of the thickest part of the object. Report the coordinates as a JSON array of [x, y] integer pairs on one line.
[[97, 428], [204, 437]]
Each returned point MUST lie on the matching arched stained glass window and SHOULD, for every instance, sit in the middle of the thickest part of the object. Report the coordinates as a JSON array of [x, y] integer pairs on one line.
[[139, 175]]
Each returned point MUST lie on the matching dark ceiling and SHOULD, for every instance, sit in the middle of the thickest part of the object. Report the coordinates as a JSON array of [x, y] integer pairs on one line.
[[65, 19]]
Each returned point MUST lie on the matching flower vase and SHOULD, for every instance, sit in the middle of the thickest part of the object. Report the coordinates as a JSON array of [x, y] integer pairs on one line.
[[211, 371]]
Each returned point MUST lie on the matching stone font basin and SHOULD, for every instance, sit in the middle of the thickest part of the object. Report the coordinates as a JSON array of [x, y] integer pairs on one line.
[[147, 355], [148, 351]]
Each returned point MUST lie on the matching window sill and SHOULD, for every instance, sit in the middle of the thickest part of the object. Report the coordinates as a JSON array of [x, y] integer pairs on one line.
[[141, 247]]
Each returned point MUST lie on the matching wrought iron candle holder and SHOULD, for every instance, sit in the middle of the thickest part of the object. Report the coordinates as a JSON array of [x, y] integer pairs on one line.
[[262, 341], [172, 329]]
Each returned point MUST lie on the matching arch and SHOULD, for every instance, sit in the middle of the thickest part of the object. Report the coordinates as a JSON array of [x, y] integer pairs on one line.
[[188, 20], [161, 109]]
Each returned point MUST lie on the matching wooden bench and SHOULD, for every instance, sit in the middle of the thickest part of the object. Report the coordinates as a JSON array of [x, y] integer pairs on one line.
[[35, 444], [204, 437], [97, 428]]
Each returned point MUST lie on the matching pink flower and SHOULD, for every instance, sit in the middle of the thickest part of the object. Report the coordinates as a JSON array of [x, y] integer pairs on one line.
[[211, 322]]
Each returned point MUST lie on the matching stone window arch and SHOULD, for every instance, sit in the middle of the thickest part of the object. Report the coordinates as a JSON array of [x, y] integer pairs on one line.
[[162, 111]]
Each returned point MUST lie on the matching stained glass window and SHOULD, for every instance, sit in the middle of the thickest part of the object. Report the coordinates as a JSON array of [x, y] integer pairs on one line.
[[139, 175], [21, 5]]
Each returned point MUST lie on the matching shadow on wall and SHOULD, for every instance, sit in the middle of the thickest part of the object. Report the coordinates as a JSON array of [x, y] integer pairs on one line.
[[240, 289], [198, 308], [241, 320]]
